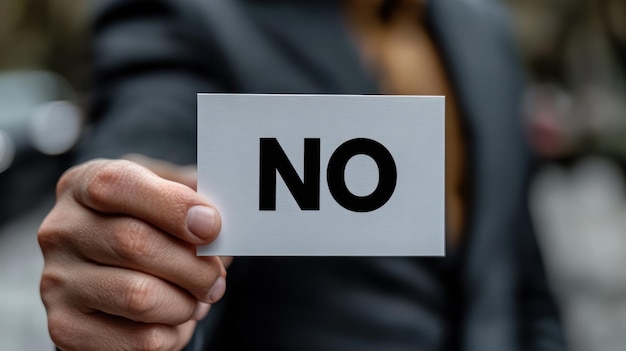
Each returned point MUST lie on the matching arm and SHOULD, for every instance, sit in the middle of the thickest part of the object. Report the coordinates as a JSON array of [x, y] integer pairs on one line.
[[120, 241], [148, 67]]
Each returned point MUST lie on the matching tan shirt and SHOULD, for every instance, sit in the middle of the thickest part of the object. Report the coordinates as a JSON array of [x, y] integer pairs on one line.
[[402, 53]]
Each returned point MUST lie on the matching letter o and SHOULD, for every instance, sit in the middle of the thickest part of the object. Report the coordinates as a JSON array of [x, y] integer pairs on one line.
[[387, 175]]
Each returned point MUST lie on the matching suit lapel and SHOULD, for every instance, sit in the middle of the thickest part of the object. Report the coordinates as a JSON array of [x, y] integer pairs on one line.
[[486, 80]]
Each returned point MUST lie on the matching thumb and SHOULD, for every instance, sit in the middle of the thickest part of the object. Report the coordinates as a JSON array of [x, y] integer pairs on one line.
[[187, 175]]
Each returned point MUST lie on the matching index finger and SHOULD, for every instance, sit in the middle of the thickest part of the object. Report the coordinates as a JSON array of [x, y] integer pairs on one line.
[[124, 187]]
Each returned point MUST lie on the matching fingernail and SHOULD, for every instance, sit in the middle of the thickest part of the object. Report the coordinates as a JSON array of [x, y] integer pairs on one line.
[[201, 311], [201, 221], [218, 290]]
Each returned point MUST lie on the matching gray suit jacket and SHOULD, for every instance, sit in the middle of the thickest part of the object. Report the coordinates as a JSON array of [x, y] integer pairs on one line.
[[152, 57]]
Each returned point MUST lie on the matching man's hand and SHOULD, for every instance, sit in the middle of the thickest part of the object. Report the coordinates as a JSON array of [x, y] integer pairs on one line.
[[121, 272]]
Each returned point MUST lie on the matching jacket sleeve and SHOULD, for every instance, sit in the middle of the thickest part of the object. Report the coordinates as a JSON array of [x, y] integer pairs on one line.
[[147, 69], [148, 64]]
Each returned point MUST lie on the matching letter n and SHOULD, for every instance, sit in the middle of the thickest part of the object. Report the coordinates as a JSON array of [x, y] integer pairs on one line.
[[273, 159]]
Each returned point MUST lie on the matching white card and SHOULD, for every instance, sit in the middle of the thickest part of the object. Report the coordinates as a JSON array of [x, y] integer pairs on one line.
[[373, 184]]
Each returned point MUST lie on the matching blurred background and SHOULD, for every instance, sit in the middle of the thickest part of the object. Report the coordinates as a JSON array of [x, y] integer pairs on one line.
[[575, 109], [575, 113], [43, 77]]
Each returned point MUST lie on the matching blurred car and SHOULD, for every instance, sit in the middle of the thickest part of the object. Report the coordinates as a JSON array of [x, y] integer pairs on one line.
[[40, 124]]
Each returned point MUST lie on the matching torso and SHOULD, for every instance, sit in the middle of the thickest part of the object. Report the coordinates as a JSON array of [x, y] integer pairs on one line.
[[403, 55]]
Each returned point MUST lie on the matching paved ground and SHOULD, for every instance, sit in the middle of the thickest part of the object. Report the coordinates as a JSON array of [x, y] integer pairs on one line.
[[23, 324]]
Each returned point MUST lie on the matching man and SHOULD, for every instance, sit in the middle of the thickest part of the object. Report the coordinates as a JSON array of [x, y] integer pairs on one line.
[[120, 268]]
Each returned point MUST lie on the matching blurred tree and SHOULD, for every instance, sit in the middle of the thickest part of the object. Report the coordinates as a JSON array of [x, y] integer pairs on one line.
[[44, 34], [579, 46], [575, 52]]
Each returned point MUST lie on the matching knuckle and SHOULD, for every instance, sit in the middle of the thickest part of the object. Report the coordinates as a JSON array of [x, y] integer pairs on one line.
[[139, 297], [206, 277], [66, 180], [152, 338], [61, 329], [51, 280], [55, 234], [106, 181], [48, 235], [131, 240]]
